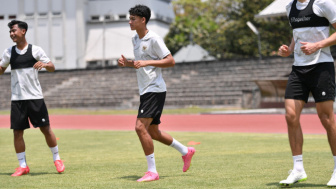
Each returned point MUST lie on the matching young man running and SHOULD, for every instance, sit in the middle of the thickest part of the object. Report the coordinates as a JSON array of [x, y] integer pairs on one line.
[[151, 54], [313, 71], [27, 99]]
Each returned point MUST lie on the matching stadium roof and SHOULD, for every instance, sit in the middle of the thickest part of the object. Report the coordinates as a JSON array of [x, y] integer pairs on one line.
[[277, 8], [192, 53]]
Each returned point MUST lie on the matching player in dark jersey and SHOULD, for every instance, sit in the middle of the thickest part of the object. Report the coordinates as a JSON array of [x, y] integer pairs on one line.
[[27, 103], [312, 72]]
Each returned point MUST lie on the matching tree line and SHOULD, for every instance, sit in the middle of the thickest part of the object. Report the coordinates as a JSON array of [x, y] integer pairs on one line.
[[219, 26]]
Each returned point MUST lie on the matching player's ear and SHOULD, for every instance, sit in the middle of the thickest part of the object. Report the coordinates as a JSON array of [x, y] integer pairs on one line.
[[23, 31], [143, 20]]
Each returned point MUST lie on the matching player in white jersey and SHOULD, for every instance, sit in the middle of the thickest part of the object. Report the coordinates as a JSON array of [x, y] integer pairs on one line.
[[312, 72], [27, 103], [151, 54]]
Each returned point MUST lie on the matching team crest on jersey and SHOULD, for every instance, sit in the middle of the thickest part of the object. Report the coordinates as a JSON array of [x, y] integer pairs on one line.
[[144, 48]]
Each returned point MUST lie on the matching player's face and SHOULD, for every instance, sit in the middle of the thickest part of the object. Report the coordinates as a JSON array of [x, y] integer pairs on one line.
[[16, 33], [136, 22]]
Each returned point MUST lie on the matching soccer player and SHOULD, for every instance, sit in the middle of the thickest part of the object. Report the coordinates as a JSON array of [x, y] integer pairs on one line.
[[151, 54], [313, 71], [27, 100]]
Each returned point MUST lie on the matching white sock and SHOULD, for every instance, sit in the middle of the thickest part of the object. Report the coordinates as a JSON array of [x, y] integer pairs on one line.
[[335, 163], [298, 163], [54, 151], [179, 147], [151, 163], [22, 159]]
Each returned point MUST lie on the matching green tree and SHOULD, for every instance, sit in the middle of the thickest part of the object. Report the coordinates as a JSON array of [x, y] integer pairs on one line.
[[243, 42], [220, 27], [196, 21]]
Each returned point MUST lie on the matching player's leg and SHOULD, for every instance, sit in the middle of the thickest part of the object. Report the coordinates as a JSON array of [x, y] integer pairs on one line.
[[293, 113], [326, 114], [19, 122], [159, 135], [296, 95], [52, 144], [295, 136], [163, 137], [19, 143], [327, 118], [49, 135], [20, 149], [39, 117], [141, 128], [324, 95]]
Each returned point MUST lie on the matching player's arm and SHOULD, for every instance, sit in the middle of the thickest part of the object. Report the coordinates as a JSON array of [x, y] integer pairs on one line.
[[310, 48], [50, 67], [43, 60], [285, 50], [2, 70], [5, 60], [166, 62]]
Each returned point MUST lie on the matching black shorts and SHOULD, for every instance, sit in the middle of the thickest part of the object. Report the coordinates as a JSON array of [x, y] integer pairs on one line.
[[34, 110], [151, 106], [319, 79]]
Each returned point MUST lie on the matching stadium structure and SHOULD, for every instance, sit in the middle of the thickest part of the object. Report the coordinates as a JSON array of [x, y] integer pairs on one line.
[[84, 38], [77, 34]]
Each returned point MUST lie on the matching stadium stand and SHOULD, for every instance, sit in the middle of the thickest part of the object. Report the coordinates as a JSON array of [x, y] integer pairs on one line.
[[230, 83]]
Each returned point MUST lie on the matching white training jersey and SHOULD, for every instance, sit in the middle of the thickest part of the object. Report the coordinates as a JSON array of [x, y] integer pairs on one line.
[[150, 47], [24, 81], [322, 8]]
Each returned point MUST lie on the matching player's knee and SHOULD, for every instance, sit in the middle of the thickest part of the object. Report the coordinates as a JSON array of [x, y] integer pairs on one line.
[[139, 128], [46, 130], [291, 118], [326, 120]]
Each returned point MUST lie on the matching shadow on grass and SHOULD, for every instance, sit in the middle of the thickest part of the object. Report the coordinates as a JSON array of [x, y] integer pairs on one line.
[[135, 177], [31, 174], [299, 185], [131, 177]]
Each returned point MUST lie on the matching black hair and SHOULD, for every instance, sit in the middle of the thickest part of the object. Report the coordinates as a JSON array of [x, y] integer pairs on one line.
[[142, 11], [21, 24]]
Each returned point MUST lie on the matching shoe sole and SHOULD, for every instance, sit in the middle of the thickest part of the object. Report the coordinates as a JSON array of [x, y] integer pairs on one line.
[[284, 185], [21, 174], [149, 180], [60, 171]]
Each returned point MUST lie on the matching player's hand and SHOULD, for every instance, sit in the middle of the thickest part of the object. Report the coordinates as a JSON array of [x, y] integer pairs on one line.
[[39, 65], [138, 64], [309, 48], [122, 61], [284, 51]]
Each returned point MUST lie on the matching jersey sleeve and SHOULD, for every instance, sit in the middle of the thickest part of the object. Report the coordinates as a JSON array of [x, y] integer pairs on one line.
[[39, 54], [327, 9], [160, 48], [5, 59]]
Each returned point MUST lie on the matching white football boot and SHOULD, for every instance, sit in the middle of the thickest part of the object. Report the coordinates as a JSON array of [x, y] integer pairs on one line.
[[332, 181], [294, 177]]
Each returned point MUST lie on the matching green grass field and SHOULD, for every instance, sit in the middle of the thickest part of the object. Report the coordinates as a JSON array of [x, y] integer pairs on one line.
[[114, 159]]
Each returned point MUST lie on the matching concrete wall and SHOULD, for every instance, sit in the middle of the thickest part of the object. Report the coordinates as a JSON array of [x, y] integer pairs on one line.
[[69, 34], [56, 25]]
